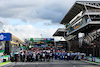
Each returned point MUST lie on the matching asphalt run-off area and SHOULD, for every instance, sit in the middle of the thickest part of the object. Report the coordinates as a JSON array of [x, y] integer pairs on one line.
[[55, 63]]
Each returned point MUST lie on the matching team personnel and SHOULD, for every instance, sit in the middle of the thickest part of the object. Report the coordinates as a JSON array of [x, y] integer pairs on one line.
[[51, 56], [30, 56]]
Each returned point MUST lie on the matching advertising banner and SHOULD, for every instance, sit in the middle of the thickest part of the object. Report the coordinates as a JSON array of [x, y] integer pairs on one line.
[[1, 59], [41, 40], [5, 37], [5, 57], [8, 57]]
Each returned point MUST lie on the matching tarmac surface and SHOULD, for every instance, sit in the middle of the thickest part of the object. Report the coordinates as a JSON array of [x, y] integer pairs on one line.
[[55, 63]]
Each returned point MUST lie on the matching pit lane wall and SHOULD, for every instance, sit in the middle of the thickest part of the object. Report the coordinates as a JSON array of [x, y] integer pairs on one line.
[[92, 59]]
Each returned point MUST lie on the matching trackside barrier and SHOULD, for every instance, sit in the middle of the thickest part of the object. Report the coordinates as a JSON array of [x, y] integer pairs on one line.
[[84, 58], [97, 59], [89, 58], [93, 59], [7, 57]]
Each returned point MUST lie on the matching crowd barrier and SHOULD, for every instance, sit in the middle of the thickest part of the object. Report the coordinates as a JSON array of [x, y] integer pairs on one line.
[[4, 58], [93, 59]]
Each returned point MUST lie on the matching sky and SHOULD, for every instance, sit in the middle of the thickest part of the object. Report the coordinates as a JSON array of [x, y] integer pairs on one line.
[[31, 18]]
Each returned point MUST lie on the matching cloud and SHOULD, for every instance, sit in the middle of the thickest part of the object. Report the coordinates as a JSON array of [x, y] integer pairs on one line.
[[35, 10], [3, 21], [29, 31]]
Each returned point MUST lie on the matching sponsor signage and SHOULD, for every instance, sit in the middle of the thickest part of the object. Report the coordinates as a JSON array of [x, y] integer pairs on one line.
[[5, 37], [41, 40], [77, 27], [59, 46]]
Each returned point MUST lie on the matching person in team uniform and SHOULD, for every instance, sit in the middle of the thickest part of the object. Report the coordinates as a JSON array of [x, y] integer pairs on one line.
[[43, 55], [65, 56], [56, 54], [21, 57], [51, 56], [28, 57], [68, 55]]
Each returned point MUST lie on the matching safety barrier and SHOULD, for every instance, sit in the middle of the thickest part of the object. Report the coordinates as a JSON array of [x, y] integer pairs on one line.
[[6, 58], [89, 58], [1, 52], [93, 59], [97, 59]]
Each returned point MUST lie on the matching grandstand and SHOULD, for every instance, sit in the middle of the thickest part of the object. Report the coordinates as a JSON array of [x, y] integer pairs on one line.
[[15, 41], [83, 17]]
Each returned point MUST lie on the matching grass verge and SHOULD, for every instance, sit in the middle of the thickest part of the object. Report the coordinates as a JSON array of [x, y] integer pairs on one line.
[[4, 63]]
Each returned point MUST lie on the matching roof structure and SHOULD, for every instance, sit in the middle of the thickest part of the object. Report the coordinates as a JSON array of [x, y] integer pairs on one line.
[[60, 32], [88, 27], [16, 39], [70, 37], [77, 8]]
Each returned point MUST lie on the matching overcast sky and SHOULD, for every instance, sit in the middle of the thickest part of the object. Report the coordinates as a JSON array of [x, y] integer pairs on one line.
[[30, 18]]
